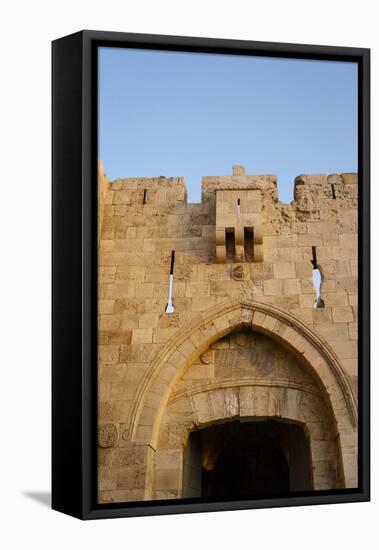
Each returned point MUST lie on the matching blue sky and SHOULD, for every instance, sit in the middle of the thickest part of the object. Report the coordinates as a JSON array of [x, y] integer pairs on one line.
[[193, 115]]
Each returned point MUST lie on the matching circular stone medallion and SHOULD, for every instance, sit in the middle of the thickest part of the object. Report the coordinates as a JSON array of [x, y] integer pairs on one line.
[[107, 435], [239, 272], [206, 357]]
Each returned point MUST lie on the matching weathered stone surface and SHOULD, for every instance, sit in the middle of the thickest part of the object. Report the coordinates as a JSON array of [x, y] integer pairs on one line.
[[240, 272], [107, 435], [239, 243]]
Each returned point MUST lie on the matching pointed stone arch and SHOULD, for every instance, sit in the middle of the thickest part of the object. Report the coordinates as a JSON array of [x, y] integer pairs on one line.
[[193, 339]]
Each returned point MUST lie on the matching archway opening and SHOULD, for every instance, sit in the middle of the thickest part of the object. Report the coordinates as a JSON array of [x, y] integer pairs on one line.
[[247, 459]]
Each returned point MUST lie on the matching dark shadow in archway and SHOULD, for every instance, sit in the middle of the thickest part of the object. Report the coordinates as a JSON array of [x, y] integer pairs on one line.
[[247, 459]]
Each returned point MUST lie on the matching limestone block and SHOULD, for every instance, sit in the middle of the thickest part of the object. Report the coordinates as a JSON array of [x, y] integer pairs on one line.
[[148, 320], [284, 270], [169, 459], [187, 348], [320, 450], [114, 411], [224, 403], [247, 401], [122, 197], [120, 290], [178, 290], [137, 353], [293, 404], [354, 267], [283, 254], [307, 287], [105, 306], [342, 314], [322, 315], [186, 272], [254, 196], [333, 332], [269, 323], [351, 366], [346, 283], [350, 178], [142, 336], [200, 371], [156, 274], [351, 192], [261, 270], [149, 245], [345, 349], [262, 398], [273, 287], [202, 409], [175, 362], [110, 322], [131, 273], [326, 253], [144, 290], [161, 335], [291, 286], [106, 245], [344, 253], [131, 233], [316, 430], [202, 303], [329, 239], [108, 355], [196, 289], [307, 300], [258, 253], [258, 235], [348, 240], [167, 479], [304, 314], [107, 274], [353, 331], [338, 298], [251, 207], [353, 298], [130, 319]]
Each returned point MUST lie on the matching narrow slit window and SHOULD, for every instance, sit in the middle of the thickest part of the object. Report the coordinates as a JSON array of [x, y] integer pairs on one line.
[[230, 244], [249, 243], [333, 191], [238, 207], [317, 280], [144, 196], [170, 306]]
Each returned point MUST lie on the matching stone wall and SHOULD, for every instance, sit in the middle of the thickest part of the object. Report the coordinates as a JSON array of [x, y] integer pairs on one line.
[[216, 259]]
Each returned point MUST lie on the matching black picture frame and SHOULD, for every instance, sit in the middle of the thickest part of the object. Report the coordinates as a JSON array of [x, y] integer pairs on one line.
[[74, 295]]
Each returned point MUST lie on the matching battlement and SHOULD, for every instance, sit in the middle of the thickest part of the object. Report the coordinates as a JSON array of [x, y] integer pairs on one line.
[[334, 186], [147, 190], [173, 189], [239, 180], [236, 215]]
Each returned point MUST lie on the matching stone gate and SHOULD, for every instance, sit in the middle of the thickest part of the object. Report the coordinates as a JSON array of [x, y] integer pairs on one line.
[[250, 371]]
